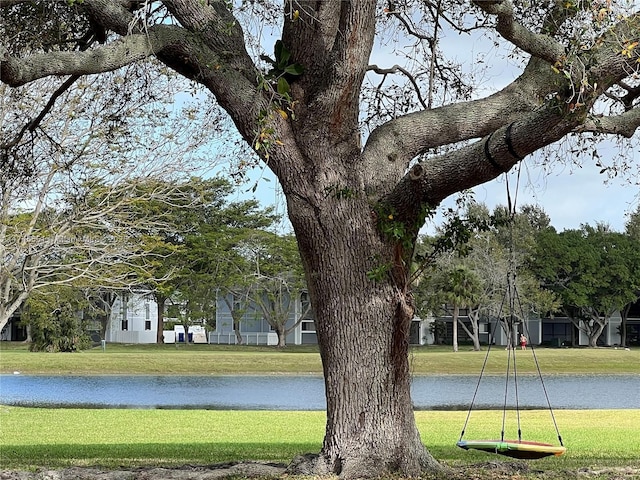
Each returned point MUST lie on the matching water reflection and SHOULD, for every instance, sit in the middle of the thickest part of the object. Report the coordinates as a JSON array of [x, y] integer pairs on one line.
[[307, 392]]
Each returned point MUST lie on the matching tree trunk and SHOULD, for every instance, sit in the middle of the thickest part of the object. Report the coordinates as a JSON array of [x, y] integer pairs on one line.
[[594, 333], [28, 339], [236, 327], [474, 333], [456, 312], [282, 336], [186, 334], [362, 323], [161, 300], [624, 315]]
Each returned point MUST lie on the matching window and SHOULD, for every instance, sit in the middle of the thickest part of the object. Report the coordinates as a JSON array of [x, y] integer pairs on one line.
[[556, 330], [125, 325], [147, 325]]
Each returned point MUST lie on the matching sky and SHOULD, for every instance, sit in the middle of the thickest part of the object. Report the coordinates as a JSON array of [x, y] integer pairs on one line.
[[571, 198], [571, 195]]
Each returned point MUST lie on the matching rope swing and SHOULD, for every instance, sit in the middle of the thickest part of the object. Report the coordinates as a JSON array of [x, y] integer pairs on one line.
[[519, 448]]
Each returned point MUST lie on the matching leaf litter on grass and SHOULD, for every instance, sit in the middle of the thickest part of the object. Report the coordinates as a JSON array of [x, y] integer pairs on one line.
[[492, 470]]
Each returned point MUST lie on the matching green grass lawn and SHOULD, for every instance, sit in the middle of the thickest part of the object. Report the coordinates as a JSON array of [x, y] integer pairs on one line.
[[232, 360], [113, 438]]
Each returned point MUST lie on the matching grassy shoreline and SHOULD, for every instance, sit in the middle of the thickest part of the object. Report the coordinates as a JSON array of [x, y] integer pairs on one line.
[[246, 360]]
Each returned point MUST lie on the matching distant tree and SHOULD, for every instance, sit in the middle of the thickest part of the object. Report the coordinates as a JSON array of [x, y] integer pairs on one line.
[[632, 226], [462, 288], [632, 230], [213, 261], [277, 281], [500, 254], [494, 251], [100, 302], [592, 272], [194, 257], [196, 205], [72, 178], [56, 319]]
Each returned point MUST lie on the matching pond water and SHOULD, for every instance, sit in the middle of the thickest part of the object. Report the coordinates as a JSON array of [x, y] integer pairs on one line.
[[307, 392]]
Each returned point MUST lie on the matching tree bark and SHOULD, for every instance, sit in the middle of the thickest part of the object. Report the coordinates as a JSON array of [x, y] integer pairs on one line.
[[362, 322], [282, 336], [474, 333], [161, 300]]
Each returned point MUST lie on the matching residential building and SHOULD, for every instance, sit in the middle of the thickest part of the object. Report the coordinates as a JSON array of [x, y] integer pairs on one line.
[[133, 318], [557, 331]]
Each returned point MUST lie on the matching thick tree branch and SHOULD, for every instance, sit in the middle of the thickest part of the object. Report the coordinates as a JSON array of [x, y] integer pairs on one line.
[[432, 181], [538, 45], [626, 124], [393, 145], [122, 52], [213, 20]]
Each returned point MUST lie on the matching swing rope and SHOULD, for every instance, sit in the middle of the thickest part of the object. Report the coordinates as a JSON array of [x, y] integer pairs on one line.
[[484, 365], [539, 372], [511, 294]]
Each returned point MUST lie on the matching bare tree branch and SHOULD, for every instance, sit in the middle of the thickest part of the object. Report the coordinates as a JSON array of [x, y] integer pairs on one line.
[[392, 12], [395, 69], [33, 124]]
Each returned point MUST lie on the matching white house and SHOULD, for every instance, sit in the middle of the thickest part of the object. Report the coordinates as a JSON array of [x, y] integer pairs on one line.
[[133, 318]]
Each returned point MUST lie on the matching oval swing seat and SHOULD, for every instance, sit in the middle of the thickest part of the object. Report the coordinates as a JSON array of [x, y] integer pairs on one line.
[[514, 448]]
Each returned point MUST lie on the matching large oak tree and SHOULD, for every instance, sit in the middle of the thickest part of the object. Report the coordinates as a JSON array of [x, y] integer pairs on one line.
[[357, 201]]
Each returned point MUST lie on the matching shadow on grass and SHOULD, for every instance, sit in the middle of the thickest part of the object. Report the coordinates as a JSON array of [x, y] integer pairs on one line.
[[143, 454]]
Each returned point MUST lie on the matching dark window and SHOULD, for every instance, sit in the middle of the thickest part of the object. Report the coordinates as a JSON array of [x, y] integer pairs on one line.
[[553, 330], [125, 325], [147, 325]]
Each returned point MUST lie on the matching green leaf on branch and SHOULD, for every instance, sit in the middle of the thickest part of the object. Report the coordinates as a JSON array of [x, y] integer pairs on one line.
[[283, 86], [282, 54], [294, 69]]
